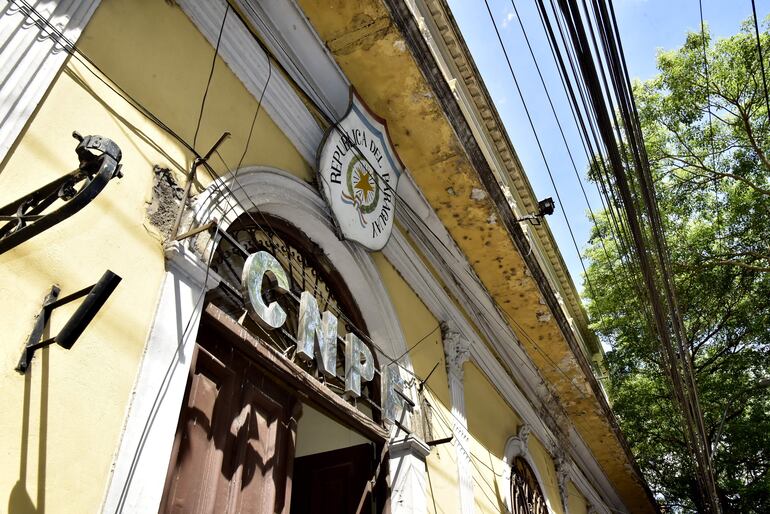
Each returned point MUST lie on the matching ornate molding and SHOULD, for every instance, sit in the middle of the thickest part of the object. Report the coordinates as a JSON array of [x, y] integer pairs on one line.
[[457, 349], [409, 445], [517, 446], [183, 261], [32, 54], [409, 480]]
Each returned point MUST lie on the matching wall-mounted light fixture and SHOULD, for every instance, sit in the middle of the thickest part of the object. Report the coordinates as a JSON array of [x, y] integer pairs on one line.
[[27, 216], [545, 207], [95, 295]]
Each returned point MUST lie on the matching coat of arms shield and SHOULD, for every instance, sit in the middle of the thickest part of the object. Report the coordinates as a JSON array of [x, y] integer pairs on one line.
[[358, 170]]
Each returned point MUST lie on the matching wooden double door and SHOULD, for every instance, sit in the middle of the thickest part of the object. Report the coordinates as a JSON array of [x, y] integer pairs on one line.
[[234, 447]]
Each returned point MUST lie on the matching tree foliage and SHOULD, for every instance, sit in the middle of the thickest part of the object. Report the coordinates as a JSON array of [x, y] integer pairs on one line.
[[707, 134]]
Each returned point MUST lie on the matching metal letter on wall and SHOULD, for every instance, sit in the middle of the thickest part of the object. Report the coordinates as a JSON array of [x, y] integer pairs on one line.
[[99, 163], [357, 369], [394, 384], [255, 268], [311, 328]]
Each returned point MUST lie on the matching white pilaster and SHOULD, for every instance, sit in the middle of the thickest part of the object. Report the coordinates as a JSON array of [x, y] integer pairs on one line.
[[139, 473], [457, 350], [408, 478]]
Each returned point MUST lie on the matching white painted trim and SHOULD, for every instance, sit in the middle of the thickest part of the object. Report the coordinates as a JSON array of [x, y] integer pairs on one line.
[[596, 503], [30, 57], [518, 446], [288, 33], [141, 463], [281, 194], [250, 64], [408, 477], [457, 352]]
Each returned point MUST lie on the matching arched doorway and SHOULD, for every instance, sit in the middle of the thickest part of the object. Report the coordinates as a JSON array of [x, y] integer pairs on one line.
[[236, 446]]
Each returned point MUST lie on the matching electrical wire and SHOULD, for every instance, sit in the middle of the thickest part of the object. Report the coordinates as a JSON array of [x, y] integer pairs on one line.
[[74, 51], [639, 202], [761, 58], [539, 146], [211, 74], [256, 113], [561, 129], [591, 146]]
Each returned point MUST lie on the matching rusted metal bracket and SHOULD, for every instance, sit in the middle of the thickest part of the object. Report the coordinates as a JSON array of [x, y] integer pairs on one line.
[[190, 179], [95, 295], [23, 219], [203, 228]]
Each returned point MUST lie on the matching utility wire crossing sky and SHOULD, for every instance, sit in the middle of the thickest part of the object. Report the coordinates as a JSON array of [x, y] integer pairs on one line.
[[646, 26]]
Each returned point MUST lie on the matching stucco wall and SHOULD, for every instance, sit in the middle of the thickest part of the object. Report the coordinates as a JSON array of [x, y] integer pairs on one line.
[[61, 423], [491, 420], [417, 321], [576, 502], [547, 474]]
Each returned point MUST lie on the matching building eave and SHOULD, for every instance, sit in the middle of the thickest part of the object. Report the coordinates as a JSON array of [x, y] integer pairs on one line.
[[462, 68], [373, 42]]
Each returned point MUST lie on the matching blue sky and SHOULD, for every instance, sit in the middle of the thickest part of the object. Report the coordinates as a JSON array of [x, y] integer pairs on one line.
[[645, 27]]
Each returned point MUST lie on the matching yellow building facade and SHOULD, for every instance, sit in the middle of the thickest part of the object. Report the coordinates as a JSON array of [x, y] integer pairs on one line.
[[498, 403]]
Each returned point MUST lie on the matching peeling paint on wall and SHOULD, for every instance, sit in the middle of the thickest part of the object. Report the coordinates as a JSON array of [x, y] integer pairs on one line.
[[166, 197]]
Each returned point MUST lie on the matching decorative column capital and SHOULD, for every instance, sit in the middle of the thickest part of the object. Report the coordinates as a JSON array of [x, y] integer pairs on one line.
[[187, 264], [517, 446], [409, 445], [457, 349]]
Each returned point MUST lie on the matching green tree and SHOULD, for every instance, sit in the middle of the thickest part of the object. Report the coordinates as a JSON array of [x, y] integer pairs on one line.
[[707, 134]]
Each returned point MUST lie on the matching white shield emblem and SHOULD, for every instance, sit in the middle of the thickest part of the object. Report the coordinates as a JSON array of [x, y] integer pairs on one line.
[[359, 170]]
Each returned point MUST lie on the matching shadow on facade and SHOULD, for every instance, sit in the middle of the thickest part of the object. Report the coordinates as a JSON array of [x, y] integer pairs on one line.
[[20, 501]]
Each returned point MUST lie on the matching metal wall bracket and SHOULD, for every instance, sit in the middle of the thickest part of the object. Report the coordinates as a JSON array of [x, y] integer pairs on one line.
[[23, 219], [190, 179], [95, 295], [437, 442]]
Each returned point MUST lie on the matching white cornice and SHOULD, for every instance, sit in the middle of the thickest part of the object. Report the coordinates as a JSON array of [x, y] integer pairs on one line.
[[31, 55], [288, 33]]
